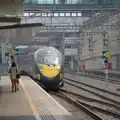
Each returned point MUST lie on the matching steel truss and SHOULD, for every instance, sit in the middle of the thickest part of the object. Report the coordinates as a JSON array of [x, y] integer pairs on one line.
[[67, 7]]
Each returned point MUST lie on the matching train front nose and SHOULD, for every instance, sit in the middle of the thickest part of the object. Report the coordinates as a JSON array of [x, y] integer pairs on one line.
[[50, 75], [50, 71]]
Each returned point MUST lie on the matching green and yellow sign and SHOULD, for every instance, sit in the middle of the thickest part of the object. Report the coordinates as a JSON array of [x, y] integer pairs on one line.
[[106, 54], [15, 51]]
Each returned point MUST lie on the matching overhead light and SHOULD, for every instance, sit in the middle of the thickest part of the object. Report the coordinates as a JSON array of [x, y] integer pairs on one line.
[[22, 46]]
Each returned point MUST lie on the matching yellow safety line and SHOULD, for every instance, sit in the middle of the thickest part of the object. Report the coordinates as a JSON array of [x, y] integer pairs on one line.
[[32, 105]]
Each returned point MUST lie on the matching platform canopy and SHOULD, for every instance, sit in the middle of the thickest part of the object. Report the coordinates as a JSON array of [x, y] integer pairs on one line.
[[11, 10]]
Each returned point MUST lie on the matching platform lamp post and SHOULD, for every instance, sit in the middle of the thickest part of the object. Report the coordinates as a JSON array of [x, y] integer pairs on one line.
[[105, 52], [63, 46], [106, 73]]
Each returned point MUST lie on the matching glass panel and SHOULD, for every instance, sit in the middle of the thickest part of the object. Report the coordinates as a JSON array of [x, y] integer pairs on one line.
[[67, 14], [79, 14], [72, 1], [39, 14], [73, 14], [44, 14], [43, 1], [62, 14], [56, 1], [50, 14], [32, 13], [28, 1], [26, 14], [55, 14]]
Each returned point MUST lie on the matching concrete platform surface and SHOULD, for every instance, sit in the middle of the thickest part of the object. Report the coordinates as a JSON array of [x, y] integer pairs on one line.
[[29, 103]]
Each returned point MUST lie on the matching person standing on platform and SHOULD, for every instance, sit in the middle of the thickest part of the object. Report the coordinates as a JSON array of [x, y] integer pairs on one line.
[[106, 63], [13, 73], [84, 66], [12, 60]]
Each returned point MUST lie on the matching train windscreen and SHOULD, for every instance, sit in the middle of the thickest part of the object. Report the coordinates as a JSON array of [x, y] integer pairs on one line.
[[49, 59]]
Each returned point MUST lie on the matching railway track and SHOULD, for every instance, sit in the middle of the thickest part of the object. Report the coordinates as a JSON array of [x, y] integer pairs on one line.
[[88, 113], [104, 94], [106, 105], [91, 110], [86, 101], [93, 87]]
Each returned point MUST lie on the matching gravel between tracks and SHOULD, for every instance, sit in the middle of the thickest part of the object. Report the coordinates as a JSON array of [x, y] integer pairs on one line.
[[77, 113]]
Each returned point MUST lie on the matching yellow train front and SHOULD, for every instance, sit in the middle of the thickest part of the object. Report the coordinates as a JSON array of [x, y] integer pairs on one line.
[[48, 68]]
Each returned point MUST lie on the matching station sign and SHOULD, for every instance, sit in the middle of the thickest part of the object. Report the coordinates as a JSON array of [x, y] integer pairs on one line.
[[106, 54], [15, 51]]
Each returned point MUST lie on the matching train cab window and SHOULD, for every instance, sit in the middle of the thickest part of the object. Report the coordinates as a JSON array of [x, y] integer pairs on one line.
[[51, 60], [48, 59]]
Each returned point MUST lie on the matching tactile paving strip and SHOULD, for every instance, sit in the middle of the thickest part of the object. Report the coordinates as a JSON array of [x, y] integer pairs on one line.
[[43, 111]]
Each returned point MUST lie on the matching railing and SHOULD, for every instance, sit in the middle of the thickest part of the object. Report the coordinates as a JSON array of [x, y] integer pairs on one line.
[[98, 74]]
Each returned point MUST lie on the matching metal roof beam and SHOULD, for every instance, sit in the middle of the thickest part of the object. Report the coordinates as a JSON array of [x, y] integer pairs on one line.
[[65, 7]]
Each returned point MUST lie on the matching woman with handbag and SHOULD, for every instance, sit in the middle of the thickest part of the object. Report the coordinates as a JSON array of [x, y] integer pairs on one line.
[[13, 75]]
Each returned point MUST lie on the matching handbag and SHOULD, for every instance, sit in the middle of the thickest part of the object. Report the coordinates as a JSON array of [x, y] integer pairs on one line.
[[17, 75]]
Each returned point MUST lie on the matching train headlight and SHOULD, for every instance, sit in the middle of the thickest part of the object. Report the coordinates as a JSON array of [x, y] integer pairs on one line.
[[40, 67], [58, 66]]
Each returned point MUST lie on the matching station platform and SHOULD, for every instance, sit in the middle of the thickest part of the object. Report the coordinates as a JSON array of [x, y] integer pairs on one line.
[[31, 102], [94, 82]]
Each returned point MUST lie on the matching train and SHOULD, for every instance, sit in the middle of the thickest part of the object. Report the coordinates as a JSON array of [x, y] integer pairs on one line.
[[45, 66]]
